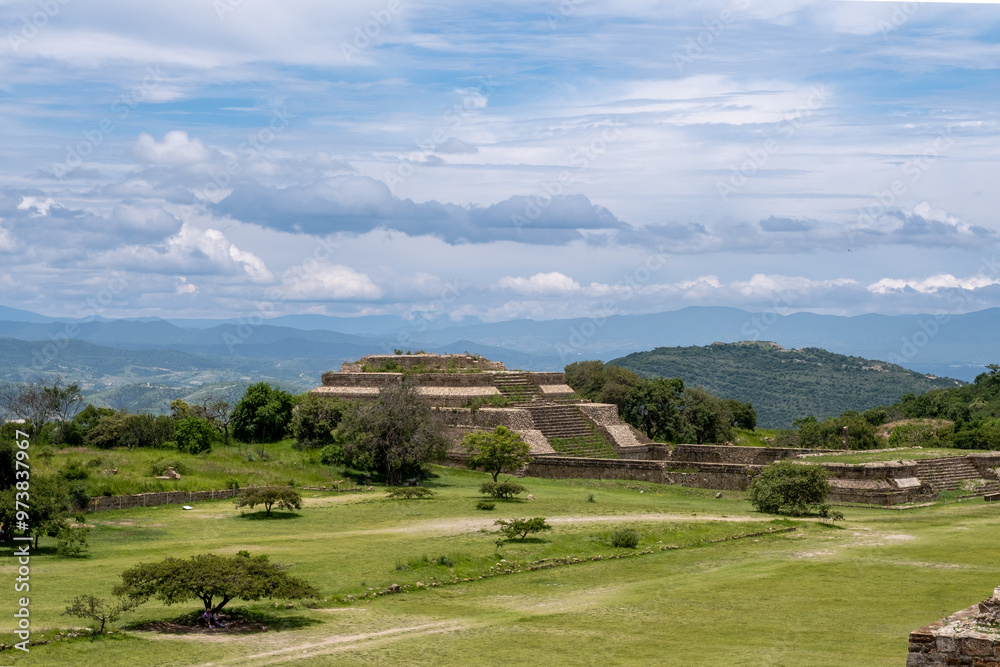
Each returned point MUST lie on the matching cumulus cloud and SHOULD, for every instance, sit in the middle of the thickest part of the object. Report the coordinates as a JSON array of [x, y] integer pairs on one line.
[[192, 251], [330, 282], [358, 204], [933, 284], [177, 148], [541, 283]]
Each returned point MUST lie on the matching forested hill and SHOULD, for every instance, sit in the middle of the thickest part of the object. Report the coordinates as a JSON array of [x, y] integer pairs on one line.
[[784, 385]]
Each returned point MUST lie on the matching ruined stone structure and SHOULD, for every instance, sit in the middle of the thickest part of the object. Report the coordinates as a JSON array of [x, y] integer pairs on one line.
[[573, 438], [968, 637]]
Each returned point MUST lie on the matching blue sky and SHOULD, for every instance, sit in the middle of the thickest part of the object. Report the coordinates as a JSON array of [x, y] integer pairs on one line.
[[199, 158]]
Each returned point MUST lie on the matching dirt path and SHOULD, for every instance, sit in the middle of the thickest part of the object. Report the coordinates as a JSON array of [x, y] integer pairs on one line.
[[334, 644], [467, 525]]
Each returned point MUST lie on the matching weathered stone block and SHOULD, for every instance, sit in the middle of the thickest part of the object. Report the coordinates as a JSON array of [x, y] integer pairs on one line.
[[975, 646]]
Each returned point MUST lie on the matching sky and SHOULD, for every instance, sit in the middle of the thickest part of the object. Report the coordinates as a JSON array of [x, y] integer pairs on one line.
[[444, 159]]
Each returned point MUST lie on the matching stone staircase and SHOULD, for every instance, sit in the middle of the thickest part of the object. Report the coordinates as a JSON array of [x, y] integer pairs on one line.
[[947, 474], [569, 432], [517, 386]]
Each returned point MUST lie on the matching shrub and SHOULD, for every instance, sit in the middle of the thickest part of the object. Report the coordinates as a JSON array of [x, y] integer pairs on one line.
[[485, 505], [78, 496], [158, 468], [521, 527], [409, 492], [73, 471], [789, 488], [263, 414], [195, 435], [71, 542], [232, 483], [314, 419], [501, 490], [626, 538], [332, 455]]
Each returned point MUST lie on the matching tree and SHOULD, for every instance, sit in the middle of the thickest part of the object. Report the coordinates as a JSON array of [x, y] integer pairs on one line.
[[209, 577], [37, 402], [496, 452], [394, 434], [654, 406], [47, 507], [263, 414], [220, 413], [270, 496], [521, 527], [315, 418], [194, 435], [790, 488], [600, 382], [99, 609]]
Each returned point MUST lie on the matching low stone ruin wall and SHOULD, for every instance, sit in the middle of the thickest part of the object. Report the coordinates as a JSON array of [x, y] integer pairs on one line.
[[158, 498], [956, 640], [710, 476], [734, 454], [516, 419]]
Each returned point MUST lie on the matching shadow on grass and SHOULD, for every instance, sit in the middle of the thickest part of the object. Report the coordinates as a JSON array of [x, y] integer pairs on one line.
[[274, 516], [239, 620]]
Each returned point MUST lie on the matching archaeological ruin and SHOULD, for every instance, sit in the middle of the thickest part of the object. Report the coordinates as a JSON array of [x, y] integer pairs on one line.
[[574, 438]]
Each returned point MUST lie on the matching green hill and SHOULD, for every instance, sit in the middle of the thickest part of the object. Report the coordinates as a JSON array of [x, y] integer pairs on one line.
[[785, 385]]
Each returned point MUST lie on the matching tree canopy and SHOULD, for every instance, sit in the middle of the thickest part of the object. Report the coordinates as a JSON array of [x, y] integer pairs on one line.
[[263, 414], [496, 452], [215, 580], [789, 488], [394, 434]]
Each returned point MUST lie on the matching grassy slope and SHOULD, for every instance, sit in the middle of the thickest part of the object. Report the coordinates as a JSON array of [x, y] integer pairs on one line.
[[818, 596], [784, 385]]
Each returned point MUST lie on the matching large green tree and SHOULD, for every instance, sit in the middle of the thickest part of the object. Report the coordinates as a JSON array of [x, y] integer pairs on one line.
[[789, 488], [394, 434], [263, 414], [215, 580], [654, 406], [496, 452], [315, 418]]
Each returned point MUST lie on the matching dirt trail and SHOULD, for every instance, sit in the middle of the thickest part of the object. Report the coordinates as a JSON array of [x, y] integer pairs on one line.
[[337, 643], [467, 525]]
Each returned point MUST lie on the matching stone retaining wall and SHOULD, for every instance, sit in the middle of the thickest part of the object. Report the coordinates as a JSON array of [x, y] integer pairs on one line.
[[951, 641], [516, 419], [158, 498], [734, 454]]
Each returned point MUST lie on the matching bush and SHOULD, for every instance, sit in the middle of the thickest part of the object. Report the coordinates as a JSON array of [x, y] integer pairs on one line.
[[263, 414], [73, 471], [332, 455], [195, 435], [314, 420], [71, 541], [626, 538], [158, 468], [232, 483], [78, 496], [485, 505], [409, 492], [789, 488], [501, 490], [521, 527]]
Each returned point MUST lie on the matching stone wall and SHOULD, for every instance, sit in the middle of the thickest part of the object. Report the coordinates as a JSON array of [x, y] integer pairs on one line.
[[734, 454], [160, 498], [516, 419], [568, 467], [955, 641]]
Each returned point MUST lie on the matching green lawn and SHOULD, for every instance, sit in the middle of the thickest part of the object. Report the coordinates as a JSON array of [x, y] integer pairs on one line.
[[820, 595]]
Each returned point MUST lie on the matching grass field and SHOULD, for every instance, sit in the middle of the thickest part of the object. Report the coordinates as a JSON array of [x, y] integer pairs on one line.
[[842, 594]]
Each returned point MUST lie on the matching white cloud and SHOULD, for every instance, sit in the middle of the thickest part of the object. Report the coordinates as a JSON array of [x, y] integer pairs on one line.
[[541, 283], [329, 282], [177, 148], [941, 281]]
